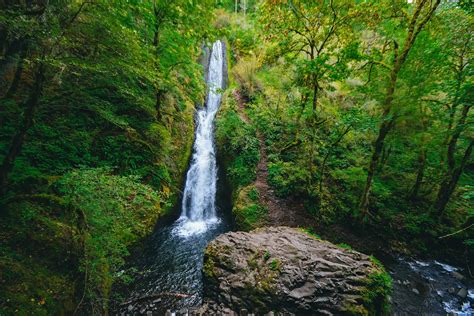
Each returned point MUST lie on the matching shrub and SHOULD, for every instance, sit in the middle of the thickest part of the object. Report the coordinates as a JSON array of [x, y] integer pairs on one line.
[[111, 212], [245, 73], [240, 144]]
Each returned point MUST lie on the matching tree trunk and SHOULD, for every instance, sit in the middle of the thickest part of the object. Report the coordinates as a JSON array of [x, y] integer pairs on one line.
[[159, 102], [7, 63], [315, 96], [329, 152], [19, 138], [455, 137], [420, 174], [449, 183], [452, 174], [378, 146], [16, 79], [386, 152]]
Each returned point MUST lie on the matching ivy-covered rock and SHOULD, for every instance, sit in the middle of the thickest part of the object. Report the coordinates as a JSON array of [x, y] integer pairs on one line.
[[285, 270]]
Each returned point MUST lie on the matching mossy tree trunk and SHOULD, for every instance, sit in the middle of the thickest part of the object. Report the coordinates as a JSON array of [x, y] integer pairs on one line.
[[453, 172]]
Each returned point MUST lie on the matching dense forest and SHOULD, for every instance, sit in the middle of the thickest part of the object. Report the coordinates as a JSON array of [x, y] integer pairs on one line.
[[350, 120]]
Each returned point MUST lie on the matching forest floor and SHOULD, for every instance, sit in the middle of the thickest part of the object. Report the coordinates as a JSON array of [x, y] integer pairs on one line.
[[281, 212]]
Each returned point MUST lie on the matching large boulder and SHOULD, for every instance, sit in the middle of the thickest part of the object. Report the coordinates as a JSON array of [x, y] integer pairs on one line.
[[289, 271]]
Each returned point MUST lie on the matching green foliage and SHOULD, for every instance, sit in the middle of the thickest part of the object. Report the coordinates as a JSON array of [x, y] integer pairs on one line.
[[240, 33], [31, 288], [275, 265], [113, 212], [110, 135], [239, 143], [288, 178], [253, 194], [245, 74], [344, 246], [254, 214], [310, 232], [248, 212]]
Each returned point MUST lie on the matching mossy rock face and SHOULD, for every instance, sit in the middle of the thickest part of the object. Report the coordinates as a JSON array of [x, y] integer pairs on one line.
[[285, 270], [248, 213]]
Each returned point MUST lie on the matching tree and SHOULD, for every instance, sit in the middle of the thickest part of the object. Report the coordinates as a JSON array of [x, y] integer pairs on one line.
[[46, 26], [422, 13], [460, 97], [314, 34]]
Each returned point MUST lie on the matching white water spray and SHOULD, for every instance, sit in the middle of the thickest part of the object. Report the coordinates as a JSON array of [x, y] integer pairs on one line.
[[198, 206]]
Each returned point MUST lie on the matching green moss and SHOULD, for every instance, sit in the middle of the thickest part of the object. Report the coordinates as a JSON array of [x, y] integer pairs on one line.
[[266, 255], [356, 310], [275, 265], [252, 262], [374, 294], [344, 246], [239, 144], [253, 194], [311, 233], [377, 290], [254, 214], [248, 214], [208, 267], [265, 274], [213, 257], [30, 287]]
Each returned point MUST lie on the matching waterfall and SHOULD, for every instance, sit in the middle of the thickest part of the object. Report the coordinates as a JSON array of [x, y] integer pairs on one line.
[[198, 205]]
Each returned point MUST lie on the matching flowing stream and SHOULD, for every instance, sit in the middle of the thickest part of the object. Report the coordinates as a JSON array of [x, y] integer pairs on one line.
[[169, 268]]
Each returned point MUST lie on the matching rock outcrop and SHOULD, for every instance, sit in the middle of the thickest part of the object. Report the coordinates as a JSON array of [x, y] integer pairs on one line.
[[286, 270]]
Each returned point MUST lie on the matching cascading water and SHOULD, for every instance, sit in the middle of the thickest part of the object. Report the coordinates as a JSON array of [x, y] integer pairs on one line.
[[198, 207], [171, 262]]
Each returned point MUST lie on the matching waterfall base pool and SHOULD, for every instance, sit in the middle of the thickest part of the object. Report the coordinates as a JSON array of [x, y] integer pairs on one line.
[[170, 269]]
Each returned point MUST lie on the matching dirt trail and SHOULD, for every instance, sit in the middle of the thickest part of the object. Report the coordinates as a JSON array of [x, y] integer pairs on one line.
[[281, 212]]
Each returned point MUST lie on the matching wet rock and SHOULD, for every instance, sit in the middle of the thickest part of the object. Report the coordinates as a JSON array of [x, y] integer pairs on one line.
[[462, 293], [458, 276], [285, 270], [451, 290], [415, 291]]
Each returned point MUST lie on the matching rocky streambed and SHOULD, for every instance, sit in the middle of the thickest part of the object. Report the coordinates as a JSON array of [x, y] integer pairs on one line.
[[430, 288]]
